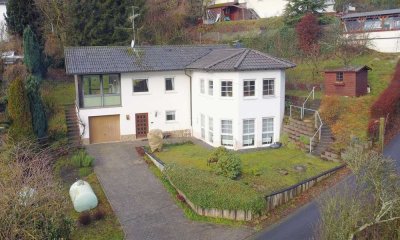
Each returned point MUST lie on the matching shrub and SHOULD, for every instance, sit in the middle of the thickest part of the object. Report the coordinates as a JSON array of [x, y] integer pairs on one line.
[[308, 33], [330, 109], [207, 190], [229, 165], [305, 139], [82, 159], [85, 171], [85, 218], [217, 154], [99, 214]]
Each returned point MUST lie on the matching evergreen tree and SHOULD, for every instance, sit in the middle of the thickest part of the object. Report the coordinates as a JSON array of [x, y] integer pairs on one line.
[[296, 9], [21, 13], [18, 111], [39, 120], [103, 22], [32, 55]]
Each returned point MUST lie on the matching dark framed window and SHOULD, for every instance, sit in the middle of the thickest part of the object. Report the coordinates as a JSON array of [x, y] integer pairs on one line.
[[210, 87], [226, 89], [169, 84], [268, 87], [100, 90], [249, 88], [339, 77], [91, 85], [140, 85], [170, 115]]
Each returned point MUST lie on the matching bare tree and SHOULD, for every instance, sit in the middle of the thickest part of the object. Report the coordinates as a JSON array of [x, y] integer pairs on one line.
[[32, 203], [371, 204]]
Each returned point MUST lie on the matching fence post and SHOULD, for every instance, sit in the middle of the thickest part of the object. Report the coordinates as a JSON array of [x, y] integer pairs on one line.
[[290, 111], [382, 132]]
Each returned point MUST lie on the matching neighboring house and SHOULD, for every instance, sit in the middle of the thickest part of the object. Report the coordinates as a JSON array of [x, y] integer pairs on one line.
[[381, 29], [3, 25], [250, 9], [347, 81], [224, 96]]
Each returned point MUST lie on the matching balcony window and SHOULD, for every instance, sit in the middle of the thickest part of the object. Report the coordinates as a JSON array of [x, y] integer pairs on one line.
[[100, 90]]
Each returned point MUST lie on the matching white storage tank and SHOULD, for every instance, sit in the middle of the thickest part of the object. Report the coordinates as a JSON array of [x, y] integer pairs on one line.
[[82, 196]]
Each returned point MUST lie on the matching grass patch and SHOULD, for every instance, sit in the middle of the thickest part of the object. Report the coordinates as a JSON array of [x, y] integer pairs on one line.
[[106, 228], [261, 169], [304, 93]]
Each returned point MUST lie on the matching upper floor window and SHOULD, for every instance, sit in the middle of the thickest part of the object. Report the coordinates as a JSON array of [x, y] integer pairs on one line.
[[140, 85], [249, 88], [339, 77], [210, 87], [268, 87], [169, 84], [100, 90], [170, 115], [202, 86], [226, 89]]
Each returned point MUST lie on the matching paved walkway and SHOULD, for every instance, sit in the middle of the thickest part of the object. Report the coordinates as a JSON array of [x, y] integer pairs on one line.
[[144, 208]]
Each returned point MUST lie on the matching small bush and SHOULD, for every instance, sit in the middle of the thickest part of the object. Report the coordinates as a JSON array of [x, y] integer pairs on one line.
[[85, 218], [99, 214], [217, 154], [229, 165], [85, 171], [82, 159], [305, 139], [330, 109]]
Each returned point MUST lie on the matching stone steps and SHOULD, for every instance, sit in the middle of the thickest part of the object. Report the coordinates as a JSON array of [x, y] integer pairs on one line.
[[73, 131]]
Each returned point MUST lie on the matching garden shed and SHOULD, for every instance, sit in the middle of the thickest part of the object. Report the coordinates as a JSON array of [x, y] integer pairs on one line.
[[349, 81]]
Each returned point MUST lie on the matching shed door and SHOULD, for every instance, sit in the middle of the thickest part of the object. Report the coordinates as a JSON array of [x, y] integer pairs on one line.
[[104, 129]]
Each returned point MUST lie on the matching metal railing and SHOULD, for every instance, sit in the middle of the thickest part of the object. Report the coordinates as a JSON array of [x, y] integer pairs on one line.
[[312, 93], [319, 129], [80, 122]]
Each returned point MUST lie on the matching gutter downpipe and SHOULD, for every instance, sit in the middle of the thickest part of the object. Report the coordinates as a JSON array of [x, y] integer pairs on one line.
[[191, 100]]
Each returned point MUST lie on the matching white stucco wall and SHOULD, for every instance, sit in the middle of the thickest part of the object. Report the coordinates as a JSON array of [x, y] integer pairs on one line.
[[155, 103], [381, 41], [3, 28], [238, 107]]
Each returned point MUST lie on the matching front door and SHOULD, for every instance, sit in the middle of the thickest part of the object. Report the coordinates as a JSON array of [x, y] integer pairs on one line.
[[142, 125]]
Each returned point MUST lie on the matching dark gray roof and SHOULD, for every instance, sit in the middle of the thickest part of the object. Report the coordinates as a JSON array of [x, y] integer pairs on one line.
[[370, 14], [349, 69], [92, 60], [239, 60]]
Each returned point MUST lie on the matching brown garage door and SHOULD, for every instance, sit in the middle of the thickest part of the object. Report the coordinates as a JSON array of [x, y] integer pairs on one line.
[[104, 129]]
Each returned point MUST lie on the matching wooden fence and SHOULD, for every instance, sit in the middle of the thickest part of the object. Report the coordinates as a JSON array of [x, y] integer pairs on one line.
[[283, 196]]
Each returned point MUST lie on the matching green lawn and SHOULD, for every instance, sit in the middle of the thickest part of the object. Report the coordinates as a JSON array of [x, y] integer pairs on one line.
[[261, 169]]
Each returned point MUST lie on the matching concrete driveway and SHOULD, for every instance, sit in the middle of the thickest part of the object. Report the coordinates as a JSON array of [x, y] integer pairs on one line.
[[144, 208]]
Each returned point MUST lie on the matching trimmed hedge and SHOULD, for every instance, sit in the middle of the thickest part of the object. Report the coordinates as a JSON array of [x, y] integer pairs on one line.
[[207, 190]]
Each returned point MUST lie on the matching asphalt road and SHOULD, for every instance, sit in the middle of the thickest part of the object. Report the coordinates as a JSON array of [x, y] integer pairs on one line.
[[301, 224]]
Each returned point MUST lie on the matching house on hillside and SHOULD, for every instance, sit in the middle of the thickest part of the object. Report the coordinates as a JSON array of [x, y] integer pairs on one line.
[[380, 28], [231, 10], [225, 96], [3, 25], [347, 81]]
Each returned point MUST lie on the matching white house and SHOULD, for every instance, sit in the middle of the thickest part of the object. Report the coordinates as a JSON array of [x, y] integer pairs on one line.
[[3, 25], [221, 95], [380, 28]]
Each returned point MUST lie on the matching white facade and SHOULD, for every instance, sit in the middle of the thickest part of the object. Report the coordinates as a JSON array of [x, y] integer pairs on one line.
[[3, 24], [189, 104], [238, 107], [381, 41]]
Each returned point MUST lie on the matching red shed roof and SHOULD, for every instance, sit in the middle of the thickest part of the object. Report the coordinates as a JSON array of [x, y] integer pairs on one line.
[[349, 69]]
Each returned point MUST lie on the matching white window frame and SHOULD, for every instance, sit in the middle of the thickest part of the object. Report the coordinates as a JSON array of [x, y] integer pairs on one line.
[[248, 133], [227, 142], [169, 113], [173, 84], [203, 126], [273, 89], [202, 86], [211, 87], [249, 88], [222, 91], [137, 79], [210, 129], [267, 131]]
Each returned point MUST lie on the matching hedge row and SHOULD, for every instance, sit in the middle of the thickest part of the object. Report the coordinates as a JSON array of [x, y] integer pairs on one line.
[[208, 191], [387, 105]]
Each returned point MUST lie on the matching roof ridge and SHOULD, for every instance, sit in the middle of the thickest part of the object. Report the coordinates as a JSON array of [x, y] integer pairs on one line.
[[275, 58], [226, 58], [240, 60]]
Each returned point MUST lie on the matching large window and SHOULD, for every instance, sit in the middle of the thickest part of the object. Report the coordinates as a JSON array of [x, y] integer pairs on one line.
[[226, 133], [169, 84], [170, 116], [267, 130], [140, 85], [203, 126], [248, 132], [372, 24], [268, 87], [202, 86], [210, 87], [249, 88], [100, 90], [226, 89], [210, 129]]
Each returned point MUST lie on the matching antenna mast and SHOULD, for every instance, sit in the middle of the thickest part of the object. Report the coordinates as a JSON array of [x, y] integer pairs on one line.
[[133, 25]]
